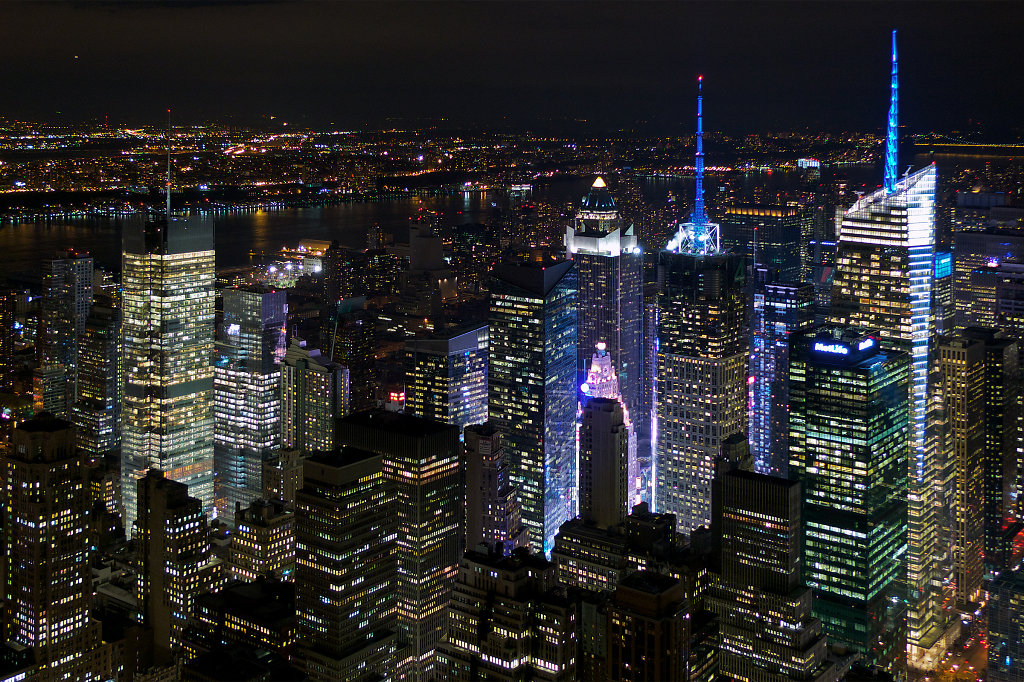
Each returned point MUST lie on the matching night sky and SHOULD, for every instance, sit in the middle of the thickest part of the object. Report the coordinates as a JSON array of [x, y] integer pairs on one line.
[[768, 66]]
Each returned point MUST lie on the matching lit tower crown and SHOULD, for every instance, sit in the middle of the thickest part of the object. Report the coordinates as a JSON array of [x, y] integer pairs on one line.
[[699, 236], [891, 131]]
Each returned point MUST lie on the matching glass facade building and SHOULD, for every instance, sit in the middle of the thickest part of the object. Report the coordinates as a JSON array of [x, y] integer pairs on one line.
[[884, 281], [97, 412], [247, 398], [168, 307], [446, 377], [780, 309], [314, 393], [532, 389], [849, 436], [766, 235]]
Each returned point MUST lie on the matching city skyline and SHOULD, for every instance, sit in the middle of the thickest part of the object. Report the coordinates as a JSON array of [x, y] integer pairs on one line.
[[430, 404]]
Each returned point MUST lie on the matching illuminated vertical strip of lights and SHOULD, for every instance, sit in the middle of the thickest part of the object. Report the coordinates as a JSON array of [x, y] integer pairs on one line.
[[699, 219], [892, 129]]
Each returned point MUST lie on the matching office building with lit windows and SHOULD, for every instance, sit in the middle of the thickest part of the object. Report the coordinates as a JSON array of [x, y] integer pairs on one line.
[[849, 438], [66, 302], [246, 393], [772, 236], [97, 412], [701, 359], [884, 281], [492, 511], [1001, 434], [962, 379], [976, 252], [345, 571], [1006, 628], [48, 586], [610, 290], [509, 620], [263, 543], [174, 560], [766, 630], [532, 388], [701, 378], [780, 309], [314, 393], [168, 325], [422, 461], [446, 377]]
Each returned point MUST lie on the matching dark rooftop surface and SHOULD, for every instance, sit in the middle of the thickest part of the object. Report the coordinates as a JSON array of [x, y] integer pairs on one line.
[[398, 422]]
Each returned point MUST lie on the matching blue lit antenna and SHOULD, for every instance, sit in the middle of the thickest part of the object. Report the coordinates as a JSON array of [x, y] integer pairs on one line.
[[891, 132], [699, 236], [700, 216]]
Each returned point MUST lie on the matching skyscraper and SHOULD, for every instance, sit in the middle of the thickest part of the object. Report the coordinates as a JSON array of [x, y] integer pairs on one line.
[[247, 395], [767, 235], [345, 531], [605, 487], [168, 307], [67, 299], [603, 382], [780, 309], [650, 632], [422, 463], [610, 284], [46, 550], [848, 441], [765, 621], [884, 281], [700, 380], [493, 513], [97, 412], [532, 388], [1006, 628], [1002, 393], [446, 377], [314, 392], [347, 338], [962, 389], [509, 620], [174, 559]]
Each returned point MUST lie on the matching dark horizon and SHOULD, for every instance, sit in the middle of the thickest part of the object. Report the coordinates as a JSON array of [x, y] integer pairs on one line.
[[767, 66]]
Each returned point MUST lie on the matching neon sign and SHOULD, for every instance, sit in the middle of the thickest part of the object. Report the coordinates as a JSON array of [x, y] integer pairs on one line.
[[865, 344], [834, 348]]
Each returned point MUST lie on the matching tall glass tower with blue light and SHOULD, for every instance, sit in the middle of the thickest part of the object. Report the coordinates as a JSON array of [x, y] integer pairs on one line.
[[532, 389], [885, 276]]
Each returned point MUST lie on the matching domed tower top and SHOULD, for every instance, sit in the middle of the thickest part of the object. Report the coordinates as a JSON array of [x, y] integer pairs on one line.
[[597, 209]]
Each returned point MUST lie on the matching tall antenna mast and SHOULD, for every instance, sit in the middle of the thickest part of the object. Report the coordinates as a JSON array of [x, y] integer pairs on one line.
[[168, 165], [699, 236], [700, 216], [892, 130]]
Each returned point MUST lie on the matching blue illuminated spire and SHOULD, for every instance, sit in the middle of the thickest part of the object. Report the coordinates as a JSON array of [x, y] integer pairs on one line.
[[700, 216], [891, 132]]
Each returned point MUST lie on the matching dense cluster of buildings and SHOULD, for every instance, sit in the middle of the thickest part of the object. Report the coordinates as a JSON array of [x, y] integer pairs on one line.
[[764, 452]]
